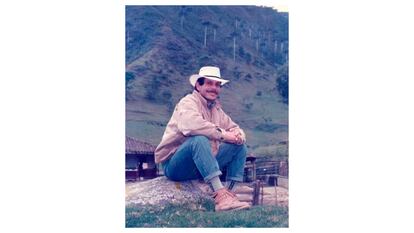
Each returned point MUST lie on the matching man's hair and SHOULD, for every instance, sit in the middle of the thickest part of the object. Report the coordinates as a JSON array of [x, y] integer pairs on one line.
[[200, 81]]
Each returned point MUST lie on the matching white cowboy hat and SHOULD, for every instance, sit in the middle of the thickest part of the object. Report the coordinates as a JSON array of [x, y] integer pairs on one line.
[[210, 72]]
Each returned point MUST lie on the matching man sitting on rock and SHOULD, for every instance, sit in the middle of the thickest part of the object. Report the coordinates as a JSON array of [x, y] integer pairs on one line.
[[200, 140]]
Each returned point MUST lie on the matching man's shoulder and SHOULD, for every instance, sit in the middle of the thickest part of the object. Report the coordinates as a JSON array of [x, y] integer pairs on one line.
[[189, 98]]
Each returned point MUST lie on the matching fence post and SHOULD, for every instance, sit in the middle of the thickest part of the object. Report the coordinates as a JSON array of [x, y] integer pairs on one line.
[[254, 171], [256, 192]]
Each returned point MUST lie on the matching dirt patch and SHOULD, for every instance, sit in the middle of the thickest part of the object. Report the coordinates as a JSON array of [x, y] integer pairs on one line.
[[275, 196]]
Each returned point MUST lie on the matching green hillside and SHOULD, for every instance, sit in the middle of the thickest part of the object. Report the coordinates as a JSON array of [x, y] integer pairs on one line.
[[166, 44]]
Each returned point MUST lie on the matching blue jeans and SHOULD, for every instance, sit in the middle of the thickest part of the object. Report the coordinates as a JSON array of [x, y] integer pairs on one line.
[[194, 160]]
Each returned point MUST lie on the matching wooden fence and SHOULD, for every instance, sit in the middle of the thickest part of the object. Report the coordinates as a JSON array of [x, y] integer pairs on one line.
[[262, 169]]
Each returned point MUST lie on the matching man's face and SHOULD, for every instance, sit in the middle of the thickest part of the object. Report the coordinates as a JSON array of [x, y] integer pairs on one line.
[[210, 90]]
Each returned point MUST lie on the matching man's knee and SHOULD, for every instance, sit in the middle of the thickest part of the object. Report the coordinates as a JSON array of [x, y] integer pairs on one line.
[[243, 149], [239, 150]]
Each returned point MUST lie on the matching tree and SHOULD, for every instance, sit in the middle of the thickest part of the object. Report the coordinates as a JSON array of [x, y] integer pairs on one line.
[[248, 58], [205, 24], [129, 76], [152, 90], [282, 83], [234, 35], [215, 27], [234, 48], [241, 51], [183, 11]]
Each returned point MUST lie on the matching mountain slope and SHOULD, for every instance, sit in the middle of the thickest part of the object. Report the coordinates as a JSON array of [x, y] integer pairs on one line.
[[166, 44]]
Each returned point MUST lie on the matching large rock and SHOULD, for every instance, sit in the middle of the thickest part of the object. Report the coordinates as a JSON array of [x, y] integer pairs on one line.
[[195, 194], [161, 192]]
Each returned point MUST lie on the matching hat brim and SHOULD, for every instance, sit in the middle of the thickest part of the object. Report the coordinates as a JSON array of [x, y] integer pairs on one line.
[[193, 79]]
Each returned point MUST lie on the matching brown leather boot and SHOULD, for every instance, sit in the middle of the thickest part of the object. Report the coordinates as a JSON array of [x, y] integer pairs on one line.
[[225, 200]]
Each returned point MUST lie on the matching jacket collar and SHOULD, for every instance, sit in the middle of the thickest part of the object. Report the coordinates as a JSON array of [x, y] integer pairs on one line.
[[206, 103]]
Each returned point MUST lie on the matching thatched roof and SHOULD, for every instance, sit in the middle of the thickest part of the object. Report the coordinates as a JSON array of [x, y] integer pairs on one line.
[[135, 146]]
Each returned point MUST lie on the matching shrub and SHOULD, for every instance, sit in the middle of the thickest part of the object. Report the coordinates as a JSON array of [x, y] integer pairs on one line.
[[129, 76], [173, 46], [241, 52], [152, 89], [248, 77], [249, 106], [248, 58], [267, 127], [236, 74]]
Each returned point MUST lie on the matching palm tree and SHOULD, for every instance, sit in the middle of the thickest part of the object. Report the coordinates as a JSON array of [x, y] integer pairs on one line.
[[215, 27], [182, 12], [234, 35], [205, 24]]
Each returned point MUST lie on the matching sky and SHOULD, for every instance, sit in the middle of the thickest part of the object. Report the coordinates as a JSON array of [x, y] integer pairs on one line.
[[280, 5]]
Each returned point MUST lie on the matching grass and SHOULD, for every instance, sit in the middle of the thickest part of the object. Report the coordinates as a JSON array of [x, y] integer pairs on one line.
[[272, 151], [179, 216]]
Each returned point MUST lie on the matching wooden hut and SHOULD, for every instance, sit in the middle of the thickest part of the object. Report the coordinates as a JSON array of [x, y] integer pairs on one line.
[[139, 160], [250, 168]]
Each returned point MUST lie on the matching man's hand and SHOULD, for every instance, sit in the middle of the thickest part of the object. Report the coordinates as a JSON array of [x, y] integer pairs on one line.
[[240, 134], [234, 136], [230, 137]]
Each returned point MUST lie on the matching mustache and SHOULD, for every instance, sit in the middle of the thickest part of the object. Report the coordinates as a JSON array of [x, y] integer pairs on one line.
[[212, 91]]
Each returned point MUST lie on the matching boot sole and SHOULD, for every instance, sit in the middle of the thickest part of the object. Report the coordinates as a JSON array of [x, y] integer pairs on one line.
[[236, 208]]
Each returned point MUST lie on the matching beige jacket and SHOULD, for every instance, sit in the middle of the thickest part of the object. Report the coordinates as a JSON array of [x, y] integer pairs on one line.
[[192, 117]]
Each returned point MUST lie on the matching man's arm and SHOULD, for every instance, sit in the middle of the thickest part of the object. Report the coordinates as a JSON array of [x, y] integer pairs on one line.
[[191, 122], [231, 127]]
